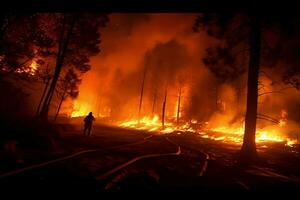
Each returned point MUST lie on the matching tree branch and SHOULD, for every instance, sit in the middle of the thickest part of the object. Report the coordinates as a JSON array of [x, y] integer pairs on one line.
[[278, 91], [270, 120]]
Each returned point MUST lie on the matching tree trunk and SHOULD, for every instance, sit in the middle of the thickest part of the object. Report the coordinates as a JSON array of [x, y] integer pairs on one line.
[[59, 63], [59, 106], [248, 150], [178, 106], [46, 104], [164, 111], [43, 96], [142, 93]]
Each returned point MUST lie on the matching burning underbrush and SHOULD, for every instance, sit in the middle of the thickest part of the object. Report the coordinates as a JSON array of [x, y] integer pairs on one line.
[[154, 124], [233, 133]]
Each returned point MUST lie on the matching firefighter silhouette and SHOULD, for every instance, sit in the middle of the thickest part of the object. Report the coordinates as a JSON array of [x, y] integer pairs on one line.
[[88, 123]]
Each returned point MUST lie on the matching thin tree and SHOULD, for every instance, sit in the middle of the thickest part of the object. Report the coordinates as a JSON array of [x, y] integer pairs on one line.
[[164, 109], [66, 31], [178, 105], [67, 87], [78, 39], [46, 78], [142, 92]]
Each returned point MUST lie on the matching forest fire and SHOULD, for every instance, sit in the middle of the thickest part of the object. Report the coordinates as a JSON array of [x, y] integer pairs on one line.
[[80, 110], [154, 124], [228, 134], [123, 95], [235, 134]]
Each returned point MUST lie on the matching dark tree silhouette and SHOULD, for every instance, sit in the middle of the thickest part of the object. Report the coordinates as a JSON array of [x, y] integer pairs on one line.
[[21, 40], [248, 150], [248, 33], [67, 87], [235, 31], [77, 37], [45, 75]]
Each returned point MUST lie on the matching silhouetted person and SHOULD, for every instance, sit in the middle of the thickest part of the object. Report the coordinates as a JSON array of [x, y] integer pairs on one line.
[[88, 122]]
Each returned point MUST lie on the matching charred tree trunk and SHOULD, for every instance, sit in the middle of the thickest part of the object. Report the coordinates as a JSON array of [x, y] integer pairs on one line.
[[142, 94], [178, 106], [248, 150], [43, 96], [63, 44], [164, 110]]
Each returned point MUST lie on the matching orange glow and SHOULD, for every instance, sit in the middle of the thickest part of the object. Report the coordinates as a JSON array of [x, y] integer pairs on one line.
[[154, 124], [226, 134], [83, 108], [80, 109], [283, 120], [176, 110], [112, 88], [270, 134], [31, 69]]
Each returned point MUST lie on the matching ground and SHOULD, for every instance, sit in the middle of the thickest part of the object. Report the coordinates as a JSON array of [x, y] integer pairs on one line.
[[116, 159]]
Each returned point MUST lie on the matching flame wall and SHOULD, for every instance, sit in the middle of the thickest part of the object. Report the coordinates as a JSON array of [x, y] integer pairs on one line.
[[167, 47], [163, 43]]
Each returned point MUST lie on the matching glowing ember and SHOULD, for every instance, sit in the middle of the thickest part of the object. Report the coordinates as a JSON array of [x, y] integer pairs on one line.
[[194, 121], [291, 142], [282, 122], [29, 70]]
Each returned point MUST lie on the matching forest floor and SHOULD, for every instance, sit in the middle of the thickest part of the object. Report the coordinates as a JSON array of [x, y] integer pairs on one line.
[[157, 162]]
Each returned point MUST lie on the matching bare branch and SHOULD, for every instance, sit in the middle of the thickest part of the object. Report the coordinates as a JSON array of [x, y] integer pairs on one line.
[[266, 116], [278, 91], [270, 120]]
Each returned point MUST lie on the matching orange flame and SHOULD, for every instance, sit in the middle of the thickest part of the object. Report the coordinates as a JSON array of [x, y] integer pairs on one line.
[[29, 70], [224, 133]]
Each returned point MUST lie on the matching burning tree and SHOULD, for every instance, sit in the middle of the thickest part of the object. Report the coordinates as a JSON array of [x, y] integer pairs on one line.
[[162, 69]]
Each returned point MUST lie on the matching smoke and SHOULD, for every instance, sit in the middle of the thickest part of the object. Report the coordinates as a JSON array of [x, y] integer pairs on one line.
[[163, 44], [171, 53]]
